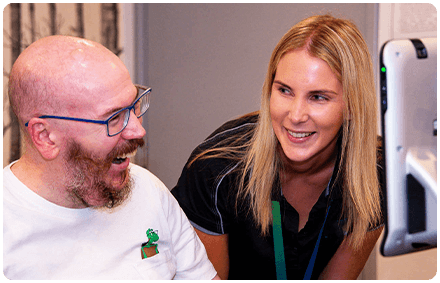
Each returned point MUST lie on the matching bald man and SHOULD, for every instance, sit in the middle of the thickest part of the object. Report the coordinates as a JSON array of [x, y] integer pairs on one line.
[[74, 206]]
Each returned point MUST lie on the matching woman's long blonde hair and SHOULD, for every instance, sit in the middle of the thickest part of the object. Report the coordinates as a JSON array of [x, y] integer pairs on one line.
[[339, 43]]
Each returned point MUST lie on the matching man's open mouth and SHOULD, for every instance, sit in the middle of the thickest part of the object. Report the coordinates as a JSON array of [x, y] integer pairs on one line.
[[120, 159]]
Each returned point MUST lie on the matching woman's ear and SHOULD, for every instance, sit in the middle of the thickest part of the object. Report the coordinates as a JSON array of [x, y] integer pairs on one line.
[[44, 138]]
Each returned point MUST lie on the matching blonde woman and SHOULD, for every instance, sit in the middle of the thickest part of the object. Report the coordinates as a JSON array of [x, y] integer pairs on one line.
[[293, 191]]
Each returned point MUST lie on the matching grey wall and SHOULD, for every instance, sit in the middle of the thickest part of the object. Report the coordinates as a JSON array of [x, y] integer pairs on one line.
[[206, 64]]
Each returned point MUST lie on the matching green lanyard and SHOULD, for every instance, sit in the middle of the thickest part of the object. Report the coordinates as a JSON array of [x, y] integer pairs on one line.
[[280, 261]]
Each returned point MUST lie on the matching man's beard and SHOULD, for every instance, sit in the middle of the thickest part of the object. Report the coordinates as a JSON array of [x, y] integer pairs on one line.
[[87, 185]]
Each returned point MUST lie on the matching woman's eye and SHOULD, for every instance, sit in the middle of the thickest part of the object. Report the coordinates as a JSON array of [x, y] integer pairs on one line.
[[319, 97], [283, 90]]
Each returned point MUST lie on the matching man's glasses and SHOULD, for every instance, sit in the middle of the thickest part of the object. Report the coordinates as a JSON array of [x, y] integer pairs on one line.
[[118, 121]]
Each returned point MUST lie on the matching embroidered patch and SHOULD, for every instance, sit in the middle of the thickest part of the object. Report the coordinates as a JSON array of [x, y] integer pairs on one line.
[[149, 248]]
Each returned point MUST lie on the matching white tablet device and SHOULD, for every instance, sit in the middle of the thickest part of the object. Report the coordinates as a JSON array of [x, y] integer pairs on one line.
[[408, 71]]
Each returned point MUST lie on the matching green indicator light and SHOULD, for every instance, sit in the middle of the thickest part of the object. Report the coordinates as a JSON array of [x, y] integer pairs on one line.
[[383, 69]]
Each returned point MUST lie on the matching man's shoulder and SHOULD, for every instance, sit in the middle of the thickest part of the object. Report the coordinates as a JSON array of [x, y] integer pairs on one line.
[[144, 176], [140, 171]]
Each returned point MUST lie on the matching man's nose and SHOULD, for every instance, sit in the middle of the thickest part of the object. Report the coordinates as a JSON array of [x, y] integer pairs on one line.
[[134, 128]]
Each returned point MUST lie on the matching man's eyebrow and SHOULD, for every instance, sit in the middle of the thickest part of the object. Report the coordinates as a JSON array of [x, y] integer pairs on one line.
[[112, 111], [317, 91]]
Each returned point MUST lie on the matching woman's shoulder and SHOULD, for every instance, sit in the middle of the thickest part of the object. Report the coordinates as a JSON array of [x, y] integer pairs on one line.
[[235, 126], [225, 146], [232, 134]]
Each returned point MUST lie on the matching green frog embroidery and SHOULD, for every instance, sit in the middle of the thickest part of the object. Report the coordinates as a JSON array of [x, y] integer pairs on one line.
[[149, 248]]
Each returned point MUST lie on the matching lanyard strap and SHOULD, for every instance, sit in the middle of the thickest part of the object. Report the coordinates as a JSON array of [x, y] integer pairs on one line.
[[309, 269], [280, 261]]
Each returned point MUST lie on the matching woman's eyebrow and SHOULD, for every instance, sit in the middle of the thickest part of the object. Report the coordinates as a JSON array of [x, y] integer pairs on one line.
[[317, 91], [281, 83], [323, 91]]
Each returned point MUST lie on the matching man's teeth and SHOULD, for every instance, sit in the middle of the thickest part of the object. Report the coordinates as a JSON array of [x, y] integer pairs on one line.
[[127, 155], [300, 135]]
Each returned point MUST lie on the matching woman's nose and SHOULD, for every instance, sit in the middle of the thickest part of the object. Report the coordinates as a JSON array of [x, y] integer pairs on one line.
[[299, 111]]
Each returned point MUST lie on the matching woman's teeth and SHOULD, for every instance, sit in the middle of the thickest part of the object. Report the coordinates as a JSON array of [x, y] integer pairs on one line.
[[300, 135]]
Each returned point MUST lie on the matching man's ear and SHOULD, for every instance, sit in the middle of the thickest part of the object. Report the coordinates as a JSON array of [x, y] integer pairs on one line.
[[44, 138]]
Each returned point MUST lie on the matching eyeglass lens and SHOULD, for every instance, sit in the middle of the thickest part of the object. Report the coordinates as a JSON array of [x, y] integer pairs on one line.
[[119, 121]]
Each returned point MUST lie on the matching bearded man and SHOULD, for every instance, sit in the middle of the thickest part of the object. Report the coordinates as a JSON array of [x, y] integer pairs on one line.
[[74, 206]]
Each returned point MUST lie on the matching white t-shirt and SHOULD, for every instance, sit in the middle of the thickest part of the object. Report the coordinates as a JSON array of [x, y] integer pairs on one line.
[[42, 240]]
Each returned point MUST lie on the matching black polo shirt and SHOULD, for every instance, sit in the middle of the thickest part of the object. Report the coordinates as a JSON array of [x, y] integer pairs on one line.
[[206, 191]]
